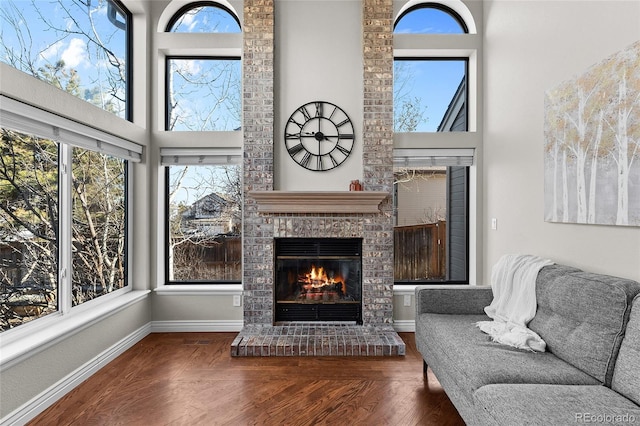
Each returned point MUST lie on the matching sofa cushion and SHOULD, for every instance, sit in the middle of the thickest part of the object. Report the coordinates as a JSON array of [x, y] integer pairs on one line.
[[626, 375], [581, 316], [472, 360], [528, 404]]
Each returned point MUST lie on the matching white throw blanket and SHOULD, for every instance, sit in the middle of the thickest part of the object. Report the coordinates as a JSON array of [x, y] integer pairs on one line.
[[513, 281]]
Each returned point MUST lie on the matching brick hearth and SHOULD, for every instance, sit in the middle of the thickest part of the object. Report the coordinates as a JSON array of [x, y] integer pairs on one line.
[[317, 339]]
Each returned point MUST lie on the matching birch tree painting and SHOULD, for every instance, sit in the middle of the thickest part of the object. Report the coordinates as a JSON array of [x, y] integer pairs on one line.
[[592, 144]]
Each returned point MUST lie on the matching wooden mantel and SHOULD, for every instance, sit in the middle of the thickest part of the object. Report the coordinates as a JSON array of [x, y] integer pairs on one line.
[[318, 201]]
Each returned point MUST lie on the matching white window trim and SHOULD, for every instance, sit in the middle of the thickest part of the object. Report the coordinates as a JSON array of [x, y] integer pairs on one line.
[[453, 46], [189, 156], [198, 289], [28, 119], [29, 339], [32, 337]]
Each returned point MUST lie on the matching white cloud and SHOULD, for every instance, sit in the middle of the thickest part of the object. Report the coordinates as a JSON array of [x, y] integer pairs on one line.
[[51, 52], [75, 54], [188, 66]]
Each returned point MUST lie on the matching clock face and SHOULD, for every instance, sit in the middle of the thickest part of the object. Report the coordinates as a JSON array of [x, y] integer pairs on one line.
[[319, 136]]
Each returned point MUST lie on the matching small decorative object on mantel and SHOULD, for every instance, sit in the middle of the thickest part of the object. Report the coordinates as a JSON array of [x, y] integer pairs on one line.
[[355, 185]]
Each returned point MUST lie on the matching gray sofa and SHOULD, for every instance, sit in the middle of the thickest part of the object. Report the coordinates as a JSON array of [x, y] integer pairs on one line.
[[590, 372]]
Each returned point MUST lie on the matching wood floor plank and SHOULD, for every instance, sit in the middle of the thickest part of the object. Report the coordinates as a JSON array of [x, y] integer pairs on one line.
[[191, 379]]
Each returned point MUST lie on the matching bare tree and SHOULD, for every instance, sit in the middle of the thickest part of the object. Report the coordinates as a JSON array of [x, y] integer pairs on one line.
[[28, 228], [409, 111], [195, 229], [204, 94], [81, 24]]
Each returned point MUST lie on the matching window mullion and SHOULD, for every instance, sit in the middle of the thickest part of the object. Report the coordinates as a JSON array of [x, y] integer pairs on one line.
[[65, 230]]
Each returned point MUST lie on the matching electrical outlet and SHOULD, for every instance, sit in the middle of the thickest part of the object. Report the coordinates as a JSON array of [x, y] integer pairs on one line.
[[407, 300], [236, 300]]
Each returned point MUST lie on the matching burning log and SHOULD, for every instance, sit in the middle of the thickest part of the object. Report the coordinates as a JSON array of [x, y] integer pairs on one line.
[[316, 285]]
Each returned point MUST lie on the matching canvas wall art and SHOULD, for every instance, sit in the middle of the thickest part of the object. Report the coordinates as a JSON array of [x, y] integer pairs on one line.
[[592, 144]]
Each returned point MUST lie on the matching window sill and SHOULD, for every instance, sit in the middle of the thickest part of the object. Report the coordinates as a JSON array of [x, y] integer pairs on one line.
[[199, 290], [404, 289], [47, 331]]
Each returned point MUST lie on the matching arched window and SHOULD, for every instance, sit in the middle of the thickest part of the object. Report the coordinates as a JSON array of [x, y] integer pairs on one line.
[[431, 96], [203, 93], [430, 18], [429, 91], [204, 17], [203, 190]]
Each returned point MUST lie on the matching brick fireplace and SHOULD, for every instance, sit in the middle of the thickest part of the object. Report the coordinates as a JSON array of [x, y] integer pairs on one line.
[[271, 214]]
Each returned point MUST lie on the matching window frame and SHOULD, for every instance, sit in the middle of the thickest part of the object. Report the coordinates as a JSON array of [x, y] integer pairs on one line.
[[194, 143], [438, 6], [464, 59], [129, 67], [69, 134], [114, 7], [438, 46], [193, 5], [167, 231], [167, 84]]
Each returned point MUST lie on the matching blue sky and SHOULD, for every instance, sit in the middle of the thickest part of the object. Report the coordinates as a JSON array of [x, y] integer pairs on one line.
[[32, 37], [433, 82]]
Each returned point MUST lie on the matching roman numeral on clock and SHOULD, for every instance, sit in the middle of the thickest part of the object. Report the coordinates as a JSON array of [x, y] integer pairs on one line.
[[342, 149], [305, 113], [306, 159], [295, 149]]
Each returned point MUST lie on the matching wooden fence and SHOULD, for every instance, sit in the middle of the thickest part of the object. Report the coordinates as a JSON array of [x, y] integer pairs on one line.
[[420, 252], [219, 259]]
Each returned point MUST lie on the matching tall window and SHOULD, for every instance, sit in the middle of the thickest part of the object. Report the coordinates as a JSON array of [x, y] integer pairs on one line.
[[81, 47], [430, 94], [63, 214], [203, 93], [431, 206], [204, 217], [29, 205], [99, 217], [431, 181], [203, 186], [427, 90]]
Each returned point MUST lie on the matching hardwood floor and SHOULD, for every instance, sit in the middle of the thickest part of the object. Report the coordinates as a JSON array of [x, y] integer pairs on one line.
[[191, 379]]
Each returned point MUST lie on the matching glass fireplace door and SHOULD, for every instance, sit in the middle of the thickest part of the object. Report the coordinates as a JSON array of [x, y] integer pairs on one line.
[[318, 279]]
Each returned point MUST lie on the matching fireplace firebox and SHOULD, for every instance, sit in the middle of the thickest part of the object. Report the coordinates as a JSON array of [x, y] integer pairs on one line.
[[318, 279]]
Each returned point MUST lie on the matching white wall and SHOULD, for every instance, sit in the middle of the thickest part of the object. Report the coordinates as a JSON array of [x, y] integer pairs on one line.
[[318, 57], [531, 46], [33, 378]]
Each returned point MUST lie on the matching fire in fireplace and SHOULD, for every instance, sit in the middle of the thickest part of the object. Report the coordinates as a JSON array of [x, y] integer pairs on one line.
[[318, 279]]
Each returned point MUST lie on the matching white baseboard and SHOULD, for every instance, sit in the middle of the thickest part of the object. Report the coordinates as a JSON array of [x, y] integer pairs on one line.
[[404, 326], [31, 409], [196, 326]]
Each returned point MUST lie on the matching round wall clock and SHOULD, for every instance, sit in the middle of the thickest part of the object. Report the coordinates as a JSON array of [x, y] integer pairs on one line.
[[319, 136]]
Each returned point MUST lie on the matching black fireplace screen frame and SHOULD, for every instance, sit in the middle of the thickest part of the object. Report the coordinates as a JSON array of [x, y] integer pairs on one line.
[[295, 300]]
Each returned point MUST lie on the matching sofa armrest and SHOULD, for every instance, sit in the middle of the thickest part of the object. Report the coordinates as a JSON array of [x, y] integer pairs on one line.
[[452, 299]]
